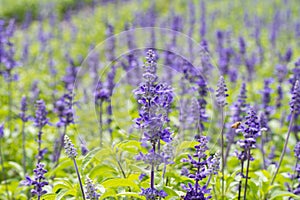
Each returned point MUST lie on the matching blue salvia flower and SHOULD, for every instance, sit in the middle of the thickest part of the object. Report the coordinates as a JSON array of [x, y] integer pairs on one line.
[[70, 77], [203, 21], [1, 130], [242, 45], [281, 72], [39, 181], [71, 151], [203, 92], [90, 190], [296, 175], [155, 100], [295, 101], [251, 130], [153, 194], [238, 113], [199, 171], [266, 97], [221, 92], [40, 121], [24, 108], [63, 108]]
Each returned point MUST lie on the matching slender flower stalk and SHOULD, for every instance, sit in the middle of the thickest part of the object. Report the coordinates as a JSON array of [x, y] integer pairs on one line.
[[101, 95], [24, 119], [71, 152], [295, 110], [40, 121], [155, 99], [39, 181], [251, 130], [63, 108], [238, 112], [90, 190], [221, 94], [2, 160], [201, 167]]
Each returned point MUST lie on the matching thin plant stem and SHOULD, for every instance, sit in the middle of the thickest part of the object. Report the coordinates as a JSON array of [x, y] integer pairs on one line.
[[208, 181], [39, 145], [3, 169], [61, 145], [23, 147], [79, 179], [284, 148], [240, 183], [9, 103], [262, 150], [294, 174], [101, 122], [222, 150], [247, 173], [152, 170]]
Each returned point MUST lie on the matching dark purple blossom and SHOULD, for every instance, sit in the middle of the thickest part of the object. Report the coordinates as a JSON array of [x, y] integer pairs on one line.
[[90, 190], [40, 119], [221, 92], [251, 130], [295, 101], [39, 181], [24, 108], [63, 108], [155, 100], [71, 151], [1, 130], [242, 45], [200, 168], [266, 97], [153, 194]]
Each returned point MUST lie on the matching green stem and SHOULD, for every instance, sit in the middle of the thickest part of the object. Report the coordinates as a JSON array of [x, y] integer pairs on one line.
[[222, 150], [61, 145], [247, 173], [9, 104], [79, 179], [3, 169], [240, 183], [23, 147], [284, 148], [101, 123]]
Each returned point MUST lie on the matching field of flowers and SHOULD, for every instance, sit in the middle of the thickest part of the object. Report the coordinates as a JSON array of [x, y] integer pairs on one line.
[[150, 100]]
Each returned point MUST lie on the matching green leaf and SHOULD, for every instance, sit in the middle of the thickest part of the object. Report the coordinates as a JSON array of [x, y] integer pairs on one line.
[[120, 182], [62, 184], [277, 194], [50, 196], [88, 158], [131, 194], [17, 167]]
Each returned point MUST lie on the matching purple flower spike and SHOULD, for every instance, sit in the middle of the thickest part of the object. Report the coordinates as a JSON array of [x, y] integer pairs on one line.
[[221, 92], [295, 101]]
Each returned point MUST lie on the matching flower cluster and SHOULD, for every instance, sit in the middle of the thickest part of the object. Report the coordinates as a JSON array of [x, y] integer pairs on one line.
[[63, 108], [39, 181], [153, 194], [295, 101], [251, 130], [24, 108], [71, 151], [1, 130], [41, 115], [221, 92], [90, 190], [155, 100], [200, 168]]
